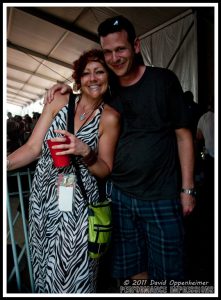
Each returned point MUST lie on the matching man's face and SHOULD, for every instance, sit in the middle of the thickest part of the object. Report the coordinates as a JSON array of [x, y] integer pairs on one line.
[[118, 52]]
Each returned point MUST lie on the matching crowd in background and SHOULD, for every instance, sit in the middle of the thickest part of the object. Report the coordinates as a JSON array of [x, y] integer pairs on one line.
[[19, 129]]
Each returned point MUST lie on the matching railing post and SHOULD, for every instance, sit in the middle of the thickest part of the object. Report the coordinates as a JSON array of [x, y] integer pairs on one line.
[[14, 251], [25, 249], [25, 231]]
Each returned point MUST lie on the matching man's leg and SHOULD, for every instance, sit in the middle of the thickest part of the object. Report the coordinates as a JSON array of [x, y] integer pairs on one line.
[[129, 243], [166, 241]]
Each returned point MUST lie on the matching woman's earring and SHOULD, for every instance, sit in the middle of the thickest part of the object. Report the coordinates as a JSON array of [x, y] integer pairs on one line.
[[109, 89]]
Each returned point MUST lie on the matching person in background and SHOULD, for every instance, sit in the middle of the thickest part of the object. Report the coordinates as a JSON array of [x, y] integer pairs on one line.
[[205, 130], [205, 137], [153, 172], [13, 141], [35, 118], [27, 127], [21, 126], [9, 115], [205, 140], [59, 239]]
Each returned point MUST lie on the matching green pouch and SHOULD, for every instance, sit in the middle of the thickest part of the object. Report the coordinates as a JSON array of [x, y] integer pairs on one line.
[[100, 228]]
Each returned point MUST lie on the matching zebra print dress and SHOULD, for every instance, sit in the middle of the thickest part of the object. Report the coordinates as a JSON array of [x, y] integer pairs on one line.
[[59, 240]]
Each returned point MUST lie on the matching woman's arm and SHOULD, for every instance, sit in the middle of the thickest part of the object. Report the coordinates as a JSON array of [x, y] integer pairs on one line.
[[109, 134], [100, 164], [32, 148]]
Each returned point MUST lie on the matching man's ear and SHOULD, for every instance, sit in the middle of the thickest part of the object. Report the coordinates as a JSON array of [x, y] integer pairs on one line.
[[137, 45]]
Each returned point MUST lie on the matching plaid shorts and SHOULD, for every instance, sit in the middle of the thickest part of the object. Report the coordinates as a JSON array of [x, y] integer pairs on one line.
[[147, 236]]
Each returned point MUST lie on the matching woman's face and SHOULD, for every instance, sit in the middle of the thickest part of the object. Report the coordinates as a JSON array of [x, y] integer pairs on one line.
[[94, 80]]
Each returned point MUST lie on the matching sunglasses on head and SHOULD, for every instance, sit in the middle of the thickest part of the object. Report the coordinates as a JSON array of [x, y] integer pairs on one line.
[[116, 24]]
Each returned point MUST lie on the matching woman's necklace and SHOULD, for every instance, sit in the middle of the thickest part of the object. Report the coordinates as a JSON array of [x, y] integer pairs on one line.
[[93, 108], [82, 116]]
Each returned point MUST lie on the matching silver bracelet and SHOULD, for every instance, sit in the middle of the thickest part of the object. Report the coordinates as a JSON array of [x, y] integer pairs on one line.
[[191, 191]]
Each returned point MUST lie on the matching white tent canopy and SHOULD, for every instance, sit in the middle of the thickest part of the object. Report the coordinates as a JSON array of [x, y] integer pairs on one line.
[[43, 41]]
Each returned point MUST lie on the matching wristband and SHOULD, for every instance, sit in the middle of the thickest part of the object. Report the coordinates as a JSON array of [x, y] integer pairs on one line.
[[90, 158]]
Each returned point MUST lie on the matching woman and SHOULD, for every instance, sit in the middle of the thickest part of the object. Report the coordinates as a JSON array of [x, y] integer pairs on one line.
[[58, 239]]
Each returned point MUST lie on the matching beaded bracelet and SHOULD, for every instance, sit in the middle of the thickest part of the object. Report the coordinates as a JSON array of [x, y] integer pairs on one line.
[[90, 158]]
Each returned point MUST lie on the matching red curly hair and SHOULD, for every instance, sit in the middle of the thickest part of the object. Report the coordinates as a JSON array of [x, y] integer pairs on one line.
[[80, 64]]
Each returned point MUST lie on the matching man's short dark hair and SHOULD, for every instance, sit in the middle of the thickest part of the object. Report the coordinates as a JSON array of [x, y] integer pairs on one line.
[[116, 24]]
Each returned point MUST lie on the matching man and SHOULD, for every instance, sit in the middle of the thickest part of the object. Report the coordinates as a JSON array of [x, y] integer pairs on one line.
[[150, 184]]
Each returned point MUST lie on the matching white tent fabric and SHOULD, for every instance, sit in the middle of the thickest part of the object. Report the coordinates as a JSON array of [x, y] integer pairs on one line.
[[174, 46]]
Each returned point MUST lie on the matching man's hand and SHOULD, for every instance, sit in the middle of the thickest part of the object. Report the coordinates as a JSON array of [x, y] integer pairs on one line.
[[188, 203], [49, 95]]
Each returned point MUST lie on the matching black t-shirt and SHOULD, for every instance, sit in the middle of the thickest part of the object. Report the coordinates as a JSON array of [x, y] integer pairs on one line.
[[146, 164]]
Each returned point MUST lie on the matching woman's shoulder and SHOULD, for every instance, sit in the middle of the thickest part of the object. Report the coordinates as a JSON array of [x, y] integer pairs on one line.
[[110, 111], [110, 115]]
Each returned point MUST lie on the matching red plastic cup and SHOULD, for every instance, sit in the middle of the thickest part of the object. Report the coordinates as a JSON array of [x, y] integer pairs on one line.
[[59, 160]]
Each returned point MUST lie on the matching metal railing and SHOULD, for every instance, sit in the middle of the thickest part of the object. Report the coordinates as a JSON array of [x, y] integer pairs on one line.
[[15, 273]]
